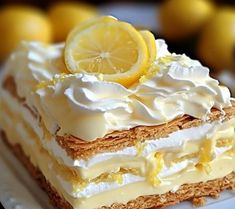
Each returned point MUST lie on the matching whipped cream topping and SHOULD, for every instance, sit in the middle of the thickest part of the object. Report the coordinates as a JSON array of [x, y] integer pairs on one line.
[[88, 108]]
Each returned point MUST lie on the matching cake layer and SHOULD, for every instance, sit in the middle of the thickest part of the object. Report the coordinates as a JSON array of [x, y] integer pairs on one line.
[[185, 192]]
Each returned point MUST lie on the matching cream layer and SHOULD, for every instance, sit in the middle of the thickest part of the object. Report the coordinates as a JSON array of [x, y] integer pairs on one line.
[[132, 157], [220, 167]]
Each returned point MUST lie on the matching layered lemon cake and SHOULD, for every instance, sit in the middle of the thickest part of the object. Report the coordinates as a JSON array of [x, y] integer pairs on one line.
[[111, 119]]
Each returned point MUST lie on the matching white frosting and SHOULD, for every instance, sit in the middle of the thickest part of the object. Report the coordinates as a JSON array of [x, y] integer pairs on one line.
[[88, 108], [168, 171]]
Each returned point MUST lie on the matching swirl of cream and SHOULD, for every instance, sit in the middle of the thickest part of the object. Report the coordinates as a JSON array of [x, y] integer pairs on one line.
[[181, 87], [31, 63], [84, 106]]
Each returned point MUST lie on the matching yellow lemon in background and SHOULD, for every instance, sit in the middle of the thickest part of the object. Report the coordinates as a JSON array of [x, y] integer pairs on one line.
[[216, 46], [180, 19], [65, 16], [22, 23]]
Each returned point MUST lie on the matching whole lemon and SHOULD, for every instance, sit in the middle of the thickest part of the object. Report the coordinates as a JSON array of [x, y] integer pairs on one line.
[[22, 23], [216, 46], [65, 16], [180, 19]]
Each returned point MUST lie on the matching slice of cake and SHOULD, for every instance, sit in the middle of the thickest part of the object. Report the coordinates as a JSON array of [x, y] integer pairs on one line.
[[113, 120]]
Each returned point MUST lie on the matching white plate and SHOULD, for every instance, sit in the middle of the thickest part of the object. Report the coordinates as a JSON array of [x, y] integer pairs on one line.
[[19, 191]]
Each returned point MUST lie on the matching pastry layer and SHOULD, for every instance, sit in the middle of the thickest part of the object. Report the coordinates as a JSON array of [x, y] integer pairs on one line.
[[185, 192]]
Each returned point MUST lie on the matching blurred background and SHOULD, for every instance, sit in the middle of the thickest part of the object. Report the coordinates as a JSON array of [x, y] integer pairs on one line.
[[202, 29]]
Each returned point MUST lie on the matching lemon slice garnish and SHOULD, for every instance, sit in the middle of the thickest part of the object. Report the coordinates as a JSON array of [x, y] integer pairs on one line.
[[151, 44], [152, 51], [109, 47]]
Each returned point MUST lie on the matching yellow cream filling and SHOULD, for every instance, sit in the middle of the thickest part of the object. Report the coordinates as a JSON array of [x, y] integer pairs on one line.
[[155, 167]]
